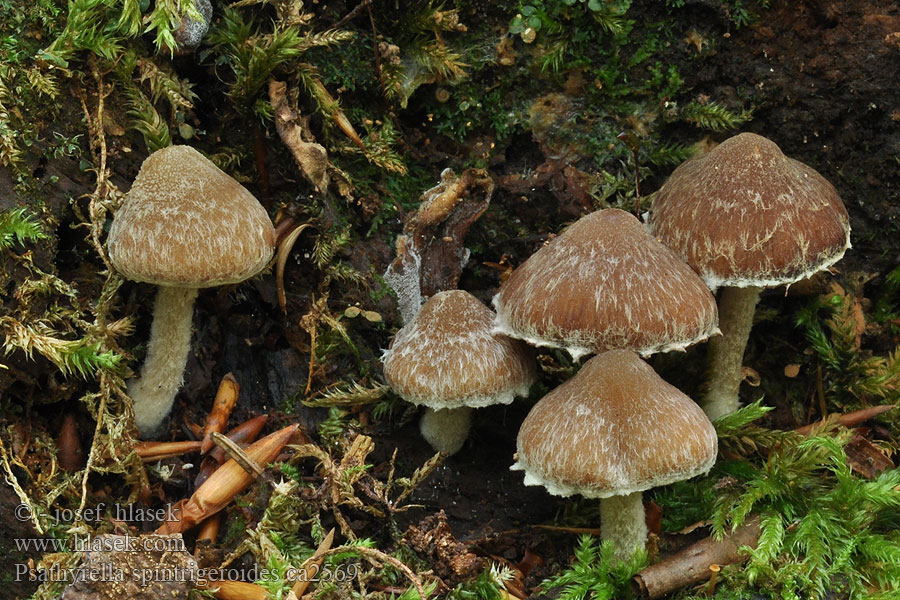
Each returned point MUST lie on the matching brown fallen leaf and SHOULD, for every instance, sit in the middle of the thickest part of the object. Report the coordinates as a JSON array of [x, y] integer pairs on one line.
[[866, 458]]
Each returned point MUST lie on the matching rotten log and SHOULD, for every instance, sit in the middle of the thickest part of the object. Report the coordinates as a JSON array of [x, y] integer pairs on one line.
[[692, 565], [430, 253]]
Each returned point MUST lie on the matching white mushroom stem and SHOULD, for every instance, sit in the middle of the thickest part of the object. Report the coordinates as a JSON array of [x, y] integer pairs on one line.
[[447, 429], [726, 352], [167, 351], [622, 521]]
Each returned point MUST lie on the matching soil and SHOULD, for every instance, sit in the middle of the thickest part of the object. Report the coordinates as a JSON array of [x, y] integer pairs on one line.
[[822, 78]]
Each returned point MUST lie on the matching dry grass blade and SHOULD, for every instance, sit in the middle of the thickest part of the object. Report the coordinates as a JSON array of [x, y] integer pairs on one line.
[[236, 453], [284, 250]]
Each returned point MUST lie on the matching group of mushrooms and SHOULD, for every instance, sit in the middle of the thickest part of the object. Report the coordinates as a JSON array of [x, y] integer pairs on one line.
[[741, 217]]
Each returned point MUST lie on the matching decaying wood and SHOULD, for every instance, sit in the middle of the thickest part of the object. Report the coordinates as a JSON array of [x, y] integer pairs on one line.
[[691, 565], [851, 419], [450, 558], [312, 158], [432, 241], [217, 419]]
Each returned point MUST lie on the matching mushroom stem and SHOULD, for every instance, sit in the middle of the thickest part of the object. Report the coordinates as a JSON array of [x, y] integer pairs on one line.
[[446, 429], [623, 523], [167, 351], [726, 352]]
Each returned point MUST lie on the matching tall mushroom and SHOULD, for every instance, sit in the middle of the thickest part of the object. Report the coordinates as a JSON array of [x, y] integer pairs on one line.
[[184, 225], [605, 283], [612, 431], [448, 360], [747, 217]]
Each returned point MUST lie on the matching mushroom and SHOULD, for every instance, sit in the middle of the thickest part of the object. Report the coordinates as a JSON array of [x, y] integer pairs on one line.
[[184, 225], [746, 217], [612, 431], [448, 360], [605, 283]]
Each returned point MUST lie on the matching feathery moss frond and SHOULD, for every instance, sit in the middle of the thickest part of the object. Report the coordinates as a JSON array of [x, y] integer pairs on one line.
[[82, 357], [714, 116], [18, 227], [352, 394], [595, 573]]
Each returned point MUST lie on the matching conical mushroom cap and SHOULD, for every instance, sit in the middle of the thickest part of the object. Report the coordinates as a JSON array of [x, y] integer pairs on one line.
[[614, 428], [447, 357], [747, 215], [606, 283], [186, 223]]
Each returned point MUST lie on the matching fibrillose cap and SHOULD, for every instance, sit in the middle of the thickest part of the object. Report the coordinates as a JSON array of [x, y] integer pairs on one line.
[[186, 223], [747, 215], [447, 357], [614, 428], [606, 283]]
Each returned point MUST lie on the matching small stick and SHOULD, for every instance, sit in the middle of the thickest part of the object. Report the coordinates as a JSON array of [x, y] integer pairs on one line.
[[692, 565], [237, 453], [575, 530]]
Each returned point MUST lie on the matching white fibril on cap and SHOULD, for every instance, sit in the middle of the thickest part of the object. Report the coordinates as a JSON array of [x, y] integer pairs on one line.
[[184, 225], [746, 217], [447, 360], [606, 283], [612, 431]]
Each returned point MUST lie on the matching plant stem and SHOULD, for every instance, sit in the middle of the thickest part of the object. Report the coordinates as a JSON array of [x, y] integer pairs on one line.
[[170, 340], [726, 352], [622, 520], [447, 429]]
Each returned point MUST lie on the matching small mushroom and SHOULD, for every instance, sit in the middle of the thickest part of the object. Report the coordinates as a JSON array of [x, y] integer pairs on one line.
[[747, 217], [448, 360], [605, 283], [612, 431], [184, 225]]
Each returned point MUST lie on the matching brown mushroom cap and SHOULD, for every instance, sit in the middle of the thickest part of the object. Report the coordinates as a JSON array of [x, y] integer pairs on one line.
[[447, 357], [605, 283], [613, 429], [747, 215], [186, 223]]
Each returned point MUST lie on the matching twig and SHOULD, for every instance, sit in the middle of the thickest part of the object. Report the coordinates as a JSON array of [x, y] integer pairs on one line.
[[352, 14], [237, 453], [691, 565]]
